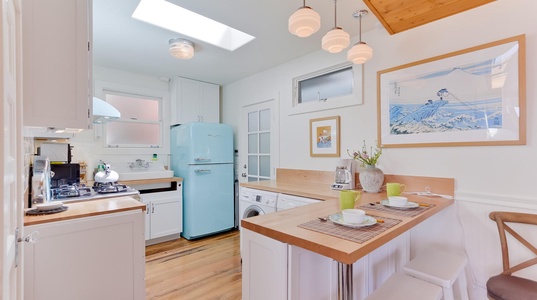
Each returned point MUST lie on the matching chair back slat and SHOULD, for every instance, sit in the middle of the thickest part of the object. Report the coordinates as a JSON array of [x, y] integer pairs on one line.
[[511, 217]]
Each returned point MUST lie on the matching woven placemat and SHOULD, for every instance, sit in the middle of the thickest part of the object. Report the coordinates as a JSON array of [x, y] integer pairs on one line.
[[358, 235], [394, 211], [37, 212]]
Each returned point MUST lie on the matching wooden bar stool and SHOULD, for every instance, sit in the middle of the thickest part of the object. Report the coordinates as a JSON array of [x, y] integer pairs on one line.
[[441, 268], [400, 286]]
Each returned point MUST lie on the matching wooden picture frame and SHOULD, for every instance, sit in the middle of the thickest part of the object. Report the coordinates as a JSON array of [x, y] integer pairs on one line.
[[324, 137], [471, 97]]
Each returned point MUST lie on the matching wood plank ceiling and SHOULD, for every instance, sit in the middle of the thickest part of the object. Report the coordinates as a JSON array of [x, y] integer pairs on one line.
[[400, 15]]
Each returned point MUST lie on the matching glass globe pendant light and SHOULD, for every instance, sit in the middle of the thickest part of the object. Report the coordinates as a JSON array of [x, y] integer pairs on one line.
[[304, 22], [360, 52], [336, 39]]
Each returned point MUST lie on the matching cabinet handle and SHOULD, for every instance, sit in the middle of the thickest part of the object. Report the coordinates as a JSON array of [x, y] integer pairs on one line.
[[152, 208], [31, 238], [147, 209]]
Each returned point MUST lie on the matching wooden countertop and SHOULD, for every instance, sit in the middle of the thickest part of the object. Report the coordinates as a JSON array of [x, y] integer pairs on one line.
[[88, 208], [146, 181], [283, 225], [309, 190]]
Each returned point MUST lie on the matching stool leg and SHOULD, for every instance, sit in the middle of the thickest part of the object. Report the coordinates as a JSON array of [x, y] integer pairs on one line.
[[448, 293], [463, 287]]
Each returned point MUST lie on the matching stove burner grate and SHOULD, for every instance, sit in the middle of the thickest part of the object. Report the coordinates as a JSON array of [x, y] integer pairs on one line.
[[109, 187], [69, 191]]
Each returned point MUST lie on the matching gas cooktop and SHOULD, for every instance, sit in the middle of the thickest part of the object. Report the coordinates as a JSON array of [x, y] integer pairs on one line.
[[81, 192]]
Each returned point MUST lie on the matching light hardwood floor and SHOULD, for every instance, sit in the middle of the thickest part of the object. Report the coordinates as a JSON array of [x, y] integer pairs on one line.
[[208, 268]]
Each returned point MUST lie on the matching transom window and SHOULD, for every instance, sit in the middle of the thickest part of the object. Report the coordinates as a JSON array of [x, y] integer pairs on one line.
[[329, 88]]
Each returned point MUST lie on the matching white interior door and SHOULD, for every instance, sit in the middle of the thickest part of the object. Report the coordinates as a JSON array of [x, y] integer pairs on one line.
[[11, 216], [259, 142]]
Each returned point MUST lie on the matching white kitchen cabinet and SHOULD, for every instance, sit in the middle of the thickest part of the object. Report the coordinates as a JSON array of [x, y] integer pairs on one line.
[[164, 214], [98, 257], [194, 101], [57, 63], [267, 262], [264, 267], [314, 276]]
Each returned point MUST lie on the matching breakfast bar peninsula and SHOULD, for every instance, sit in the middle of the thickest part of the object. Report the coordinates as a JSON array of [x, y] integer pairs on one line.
[[294, 254]]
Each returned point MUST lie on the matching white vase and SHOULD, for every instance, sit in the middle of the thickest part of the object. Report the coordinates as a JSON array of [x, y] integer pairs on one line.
[[371, 179]]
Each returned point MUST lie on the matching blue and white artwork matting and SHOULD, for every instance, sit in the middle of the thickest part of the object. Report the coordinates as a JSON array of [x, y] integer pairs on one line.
[[473, 97]]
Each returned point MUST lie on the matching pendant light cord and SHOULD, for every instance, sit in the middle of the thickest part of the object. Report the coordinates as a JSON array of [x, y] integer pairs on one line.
[[360, 34], [335, 14]]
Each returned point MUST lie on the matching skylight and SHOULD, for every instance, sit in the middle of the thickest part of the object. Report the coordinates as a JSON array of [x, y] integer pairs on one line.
[[175, 18]]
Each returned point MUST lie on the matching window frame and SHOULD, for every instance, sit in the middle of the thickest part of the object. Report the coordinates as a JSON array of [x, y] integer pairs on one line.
[[101, 87], [126, 120], [355, 98]]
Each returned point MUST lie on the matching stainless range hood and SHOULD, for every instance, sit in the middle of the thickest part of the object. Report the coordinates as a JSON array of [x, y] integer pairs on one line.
[[103, 111]]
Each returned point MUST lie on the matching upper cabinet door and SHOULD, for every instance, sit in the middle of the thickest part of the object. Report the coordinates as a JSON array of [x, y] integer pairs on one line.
[[56, 63], [194, 101]]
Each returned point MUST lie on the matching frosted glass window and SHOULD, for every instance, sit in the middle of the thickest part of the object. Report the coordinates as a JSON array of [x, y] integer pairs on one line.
[[330, 85], [253, 121], [252, 165], [132, 134], [135, 108], [264, 143], [252, 179], [264, 166], [140, 125], [252, 143], [264, 120]]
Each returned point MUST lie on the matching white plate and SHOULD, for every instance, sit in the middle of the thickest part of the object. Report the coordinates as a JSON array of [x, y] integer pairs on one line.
[[49, 205], [409, 205], [338, 219]]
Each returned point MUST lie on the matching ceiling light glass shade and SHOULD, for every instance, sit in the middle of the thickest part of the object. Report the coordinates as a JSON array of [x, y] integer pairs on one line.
[[336, 40], [359, 53], [181, 48], [304, 22]]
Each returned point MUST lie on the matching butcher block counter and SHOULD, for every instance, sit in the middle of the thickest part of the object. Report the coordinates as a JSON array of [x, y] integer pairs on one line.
[[283, 225], [88, 208]]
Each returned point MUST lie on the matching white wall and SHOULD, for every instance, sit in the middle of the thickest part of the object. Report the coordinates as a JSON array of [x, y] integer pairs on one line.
[[486, 178], [88, 146]]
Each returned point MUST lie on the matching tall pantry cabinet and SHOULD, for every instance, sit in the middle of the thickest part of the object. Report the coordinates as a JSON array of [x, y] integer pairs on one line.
[[57, 63], [194, 101]]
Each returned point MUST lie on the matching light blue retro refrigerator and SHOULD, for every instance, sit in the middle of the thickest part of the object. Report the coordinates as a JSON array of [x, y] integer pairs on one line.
[[202, 154]]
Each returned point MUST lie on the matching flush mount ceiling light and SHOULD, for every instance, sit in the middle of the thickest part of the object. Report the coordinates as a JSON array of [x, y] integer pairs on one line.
[[169, 16], [336, 39], [304, 22], [181, 48], [360, 52]]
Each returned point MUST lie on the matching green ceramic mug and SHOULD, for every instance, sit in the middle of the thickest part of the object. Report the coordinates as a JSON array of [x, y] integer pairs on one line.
[[348, 198], [394, 189]]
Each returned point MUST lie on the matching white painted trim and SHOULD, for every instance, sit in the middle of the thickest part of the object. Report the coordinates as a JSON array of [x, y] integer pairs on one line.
[[497, 200]]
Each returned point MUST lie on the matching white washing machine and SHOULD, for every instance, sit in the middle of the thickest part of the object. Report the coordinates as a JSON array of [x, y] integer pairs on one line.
[[290, 201], [255, 202]]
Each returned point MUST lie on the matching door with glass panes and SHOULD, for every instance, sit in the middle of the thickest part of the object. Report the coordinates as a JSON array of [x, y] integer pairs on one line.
[[259, 144]]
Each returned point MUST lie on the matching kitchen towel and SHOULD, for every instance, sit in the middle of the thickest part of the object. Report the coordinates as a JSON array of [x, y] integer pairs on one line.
[[358, 235]]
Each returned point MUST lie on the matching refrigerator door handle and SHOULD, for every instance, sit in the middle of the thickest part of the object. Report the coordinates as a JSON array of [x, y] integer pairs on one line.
[[202, 170], [202, 159]]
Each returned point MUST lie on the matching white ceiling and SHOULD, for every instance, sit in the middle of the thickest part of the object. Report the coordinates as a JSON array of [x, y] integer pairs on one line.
[[121, 42]]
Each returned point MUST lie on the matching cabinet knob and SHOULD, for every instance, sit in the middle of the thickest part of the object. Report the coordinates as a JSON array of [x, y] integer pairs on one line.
[[31, 238]]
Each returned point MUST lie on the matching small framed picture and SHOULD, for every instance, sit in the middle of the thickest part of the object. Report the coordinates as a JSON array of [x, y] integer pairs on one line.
[[324, 137]]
